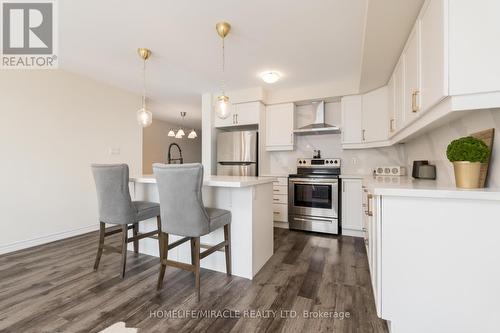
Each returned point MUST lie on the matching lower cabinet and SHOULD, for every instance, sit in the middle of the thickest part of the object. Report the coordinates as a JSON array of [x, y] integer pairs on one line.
[[280, 199], [352, 213]]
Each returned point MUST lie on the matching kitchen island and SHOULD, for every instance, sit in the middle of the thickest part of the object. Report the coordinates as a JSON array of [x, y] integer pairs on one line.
[[250, 201]]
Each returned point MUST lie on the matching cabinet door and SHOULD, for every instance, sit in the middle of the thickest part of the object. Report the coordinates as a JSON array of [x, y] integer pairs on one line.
[[351, 119], [247, 113], [399, 95], [375, 116], [391, 105], [229, 121], [352, 204], [279, 126], [412, 75], [433, 54]]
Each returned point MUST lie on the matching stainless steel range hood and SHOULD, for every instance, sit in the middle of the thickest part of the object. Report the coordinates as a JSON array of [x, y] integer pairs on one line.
[[319, 126]]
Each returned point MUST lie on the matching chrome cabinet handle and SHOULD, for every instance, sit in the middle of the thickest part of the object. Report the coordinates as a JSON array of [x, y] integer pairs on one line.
[[363, 135], [275, 199], [392, 125]]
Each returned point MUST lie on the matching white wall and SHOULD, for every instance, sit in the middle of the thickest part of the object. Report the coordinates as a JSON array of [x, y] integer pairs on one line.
[[53, 125], [432, 145], [155, 145], [353, 161]]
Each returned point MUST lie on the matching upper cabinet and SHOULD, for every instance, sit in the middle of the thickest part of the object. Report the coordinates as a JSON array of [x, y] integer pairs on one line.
[[242, 114], [412, 76], [365, 118], [433, 53], [279, 127], [351, 130], [375, 117]]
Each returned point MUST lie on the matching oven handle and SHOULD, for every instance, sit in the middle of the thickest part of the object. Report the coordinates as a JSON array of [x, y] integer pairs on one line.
[[313, 180], [312, 220]]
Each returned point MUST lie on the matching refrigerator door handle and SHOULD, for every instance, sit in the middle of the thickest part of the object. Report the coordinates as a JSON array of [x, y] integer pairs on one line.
[[236, 163]]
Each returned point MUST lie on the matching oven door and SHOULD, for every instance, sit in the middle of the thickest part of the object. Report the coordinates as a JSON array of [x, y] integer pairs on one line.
[[313, 197]]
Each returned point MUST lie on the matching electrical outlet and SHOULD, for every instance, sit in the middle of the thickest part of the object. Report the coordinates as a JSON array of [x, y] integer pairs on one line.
[[114, 151]]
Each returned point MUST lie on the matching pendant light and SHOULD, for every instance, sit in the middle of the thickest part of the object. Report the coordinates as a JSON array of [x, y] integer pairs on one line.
[[144, 116], [222, 103], [180, 132]]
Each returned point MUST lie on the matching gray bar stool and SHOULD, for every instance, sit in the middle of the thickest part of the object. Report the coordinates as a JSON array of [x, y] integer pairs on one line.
[[116, 207], [183, 214]]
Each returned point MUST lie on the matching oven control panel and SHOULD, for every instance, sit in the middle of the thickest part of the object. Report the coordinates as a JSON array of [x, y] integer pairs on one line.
[[319, 162]]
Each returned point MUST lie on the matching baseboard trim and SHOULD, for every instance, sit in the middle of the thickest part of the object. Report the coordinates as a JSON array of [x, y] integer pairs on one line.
[[352, 232], [20, 245]]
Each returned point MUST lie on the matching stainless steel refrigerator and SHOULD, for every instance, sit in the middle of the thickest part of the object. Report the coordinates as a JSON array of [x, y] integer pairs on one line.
[[237, 153]]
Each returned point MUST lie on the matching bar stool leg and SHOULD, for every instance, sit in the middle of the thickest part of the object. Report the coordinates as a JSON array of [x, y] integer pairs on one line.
[[163, 258], [135, 232], [197, 266], [227, 248], [102, 231], [124, 249]]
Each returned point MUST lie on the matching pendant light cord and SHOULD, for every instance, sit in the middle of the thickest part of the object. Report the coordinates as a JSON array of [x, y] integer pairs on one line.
[[223, 67], [144, 84]]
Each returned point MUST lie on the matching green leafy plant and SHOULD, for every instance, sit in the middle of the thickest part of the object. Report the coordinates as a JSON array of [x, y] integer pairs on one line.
[[468, 149]]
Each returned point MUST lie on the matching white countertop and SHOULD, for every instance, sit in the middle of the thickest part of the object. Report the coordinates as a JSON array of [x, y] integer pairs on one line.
[[215, 181], [424, 188]]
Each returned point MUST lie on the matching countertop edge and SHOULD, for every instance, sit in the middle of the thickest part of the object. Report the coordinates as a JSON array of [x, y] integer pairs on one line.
[[213, 182]]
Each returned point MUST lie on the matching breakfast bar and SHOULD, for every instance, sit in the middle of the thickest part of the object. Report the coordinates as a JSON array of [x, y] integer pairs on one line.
[[250, 201]]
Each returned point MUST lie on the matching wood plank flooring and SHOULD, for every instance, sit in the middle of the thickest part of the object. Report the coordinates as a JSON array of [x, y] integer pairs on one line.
[[52, 288]]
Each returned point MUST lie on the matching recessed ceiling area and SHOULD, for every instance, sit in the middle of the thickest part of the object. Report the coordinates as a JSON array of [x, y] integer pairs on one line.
[[388, 25], [310, 42]]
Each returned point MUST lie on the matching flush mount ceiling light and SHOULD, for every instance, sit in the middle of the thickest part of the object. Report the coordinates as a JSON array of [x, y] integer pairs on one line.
[[180, 132], [222, 103], [270, 76], [144, 116]]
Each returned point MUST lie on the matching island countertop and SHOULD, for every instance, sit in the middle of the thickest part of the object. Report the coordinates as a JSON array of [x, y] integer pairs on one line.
[[215, 181]]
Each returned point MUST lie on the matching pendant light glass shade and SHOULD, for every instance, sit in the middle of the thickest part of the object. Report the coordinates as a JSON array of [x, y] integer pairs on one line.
[[144, 117], [192, 135], [180, 133], [171, 133], [222, 107]]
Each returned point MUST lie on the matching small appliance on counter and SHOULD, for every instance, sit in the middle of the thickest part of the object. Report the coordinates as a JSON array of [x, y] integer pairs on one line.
[[314, 196], [423, 170], [390, 171]]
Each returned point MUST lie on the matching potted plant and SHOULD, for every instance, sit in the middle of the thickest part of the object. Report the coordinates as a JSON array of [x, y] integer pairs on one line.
[[467, 154]]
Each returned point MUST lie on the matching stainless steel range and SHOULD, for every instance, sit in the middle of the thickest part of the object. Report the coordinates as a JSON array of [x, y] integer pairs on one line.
[[313, 195]]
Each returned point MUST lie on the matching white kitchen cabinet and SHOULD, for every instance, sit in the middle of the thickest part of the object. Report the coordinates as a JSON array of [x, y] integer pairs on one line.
[[399, 95], [248, 113], [433, 53], [280, 200], [412, 76], [280, 126], [391, 105], [241, 114], [351, 109], [375, 117], [352, 209]]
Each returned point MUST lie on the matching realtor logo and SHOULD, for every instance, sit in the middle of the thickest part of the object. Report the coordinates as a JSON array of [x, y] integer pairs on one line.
[[28, 34]]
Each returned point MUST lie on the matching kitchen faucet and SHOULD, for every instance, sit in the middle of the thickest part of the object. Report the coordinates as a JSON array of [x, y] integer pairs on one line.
[[170, 159]]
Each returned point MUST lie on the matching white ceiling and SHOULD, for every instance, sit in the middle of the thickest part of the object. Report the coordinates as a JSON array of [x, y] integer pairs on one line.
[[310, 42]]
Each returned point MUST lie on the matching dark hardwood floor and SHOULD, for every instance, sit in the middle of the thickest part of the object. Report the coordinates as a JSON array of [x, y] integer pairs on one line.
[[52, 288]]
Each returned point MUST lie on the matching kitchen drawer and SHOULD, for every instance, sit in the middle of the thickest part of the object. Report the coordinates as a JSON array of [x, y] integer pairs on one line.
[[280, 189], [280, 213], [281, 181], [280, 198]]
